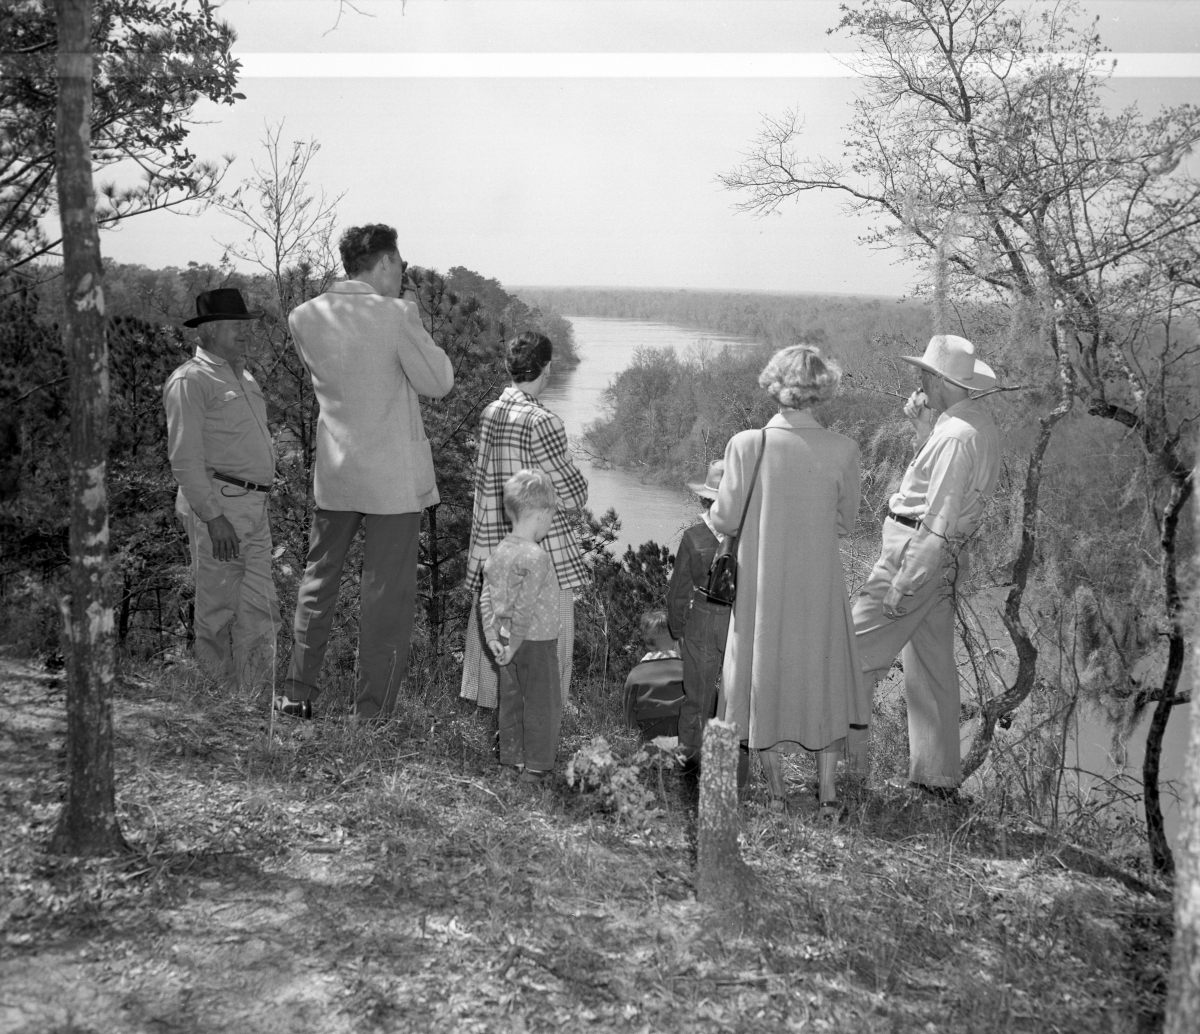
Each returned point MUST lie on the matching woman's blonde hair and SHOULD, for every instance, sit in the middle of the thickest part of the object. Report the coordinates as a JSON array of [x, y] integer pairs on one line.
[[799, 376]]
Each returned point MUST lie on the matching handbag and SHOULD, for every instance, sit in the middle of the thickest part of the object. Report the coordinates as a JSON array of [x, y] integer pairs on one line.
[[721, 586]]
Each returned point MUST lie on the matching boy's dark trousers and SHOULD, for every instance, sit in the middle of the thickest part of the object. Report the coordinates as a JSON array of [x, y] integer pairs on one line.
[[702, 649], [530, 706]]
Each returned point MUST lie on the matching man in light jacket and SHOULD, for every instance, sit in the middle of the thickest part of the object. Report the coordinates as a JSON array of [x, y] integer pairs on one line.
[[907, 603], [370, 358]]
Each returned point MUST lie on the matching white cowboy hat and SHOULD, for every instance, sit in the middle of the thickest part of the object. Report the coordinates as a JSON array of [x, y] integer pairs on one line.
[[707, 489], [953, 359]]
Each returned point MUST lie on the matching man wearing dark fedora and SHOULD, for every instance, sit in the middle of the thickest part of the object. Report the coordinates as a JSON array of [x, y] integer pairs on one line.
[[224, 461], [907, 604]]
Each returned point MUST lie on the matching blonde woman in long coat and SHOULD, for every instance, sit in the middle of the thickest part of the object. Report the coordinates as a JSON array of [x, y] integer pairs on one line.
[[792, 678]]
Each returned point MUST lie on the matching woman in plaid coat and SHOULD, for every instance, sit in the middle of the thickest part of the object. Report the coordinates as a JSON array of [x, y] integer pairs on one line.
[[517, 432]]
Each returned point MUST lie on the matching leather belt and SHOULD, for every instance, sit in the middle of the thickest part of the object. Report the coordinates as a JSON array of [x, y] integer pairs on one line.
[[899, 518], [250, 485]]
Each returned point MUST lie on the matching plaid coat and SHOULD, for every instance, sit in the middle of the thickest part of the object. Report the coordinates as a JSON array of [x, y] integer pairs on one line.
[[517, 431]]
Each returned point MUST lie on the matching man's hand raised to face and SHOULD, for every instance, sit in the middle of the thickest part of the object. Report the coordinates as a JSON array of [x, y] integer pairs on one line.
[[224, 538], [922, 417]]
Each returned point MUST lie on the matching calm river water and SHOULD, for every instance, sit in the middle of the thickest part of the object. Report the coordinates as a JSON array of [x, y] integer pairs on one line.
[[651, 511], [606, 347]]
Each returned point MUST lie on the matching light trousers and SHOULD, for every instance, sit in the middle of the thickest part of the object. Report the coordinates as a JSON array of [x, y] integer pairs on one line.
[[237, 610], [481, 673], [924, 637], [387, 599]]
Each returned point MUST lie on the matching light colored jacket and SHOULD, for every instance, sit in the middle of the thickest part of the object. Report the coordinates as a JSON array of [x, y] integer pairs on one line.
[[370, 358]]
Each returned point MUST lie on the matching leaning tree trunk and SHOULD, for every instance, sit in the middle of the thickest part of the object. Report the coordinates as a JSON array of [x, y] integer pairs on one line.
[[722, 878], [1027, 654], [88, 822], [1183, 996], [1181, 492], [1162, 452]]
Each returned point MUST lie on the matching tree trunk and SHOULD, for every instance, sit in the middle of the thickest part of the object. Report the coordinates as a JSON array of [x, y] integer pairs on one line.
[[1181, 492], [435, 583], [1156, 833], [126, 609], [1027, 654], [1183, 996], [87, 824], [722, 877]]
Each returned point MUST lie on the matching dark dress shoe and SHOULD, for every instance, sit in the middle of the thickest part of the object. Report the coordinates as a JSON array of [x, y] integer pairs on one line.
[[293, 708]]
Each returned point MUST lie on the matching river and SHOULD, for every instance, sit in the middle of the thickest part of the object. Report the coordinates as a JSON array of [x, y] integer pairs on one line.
[[652, 511], [606, 347]]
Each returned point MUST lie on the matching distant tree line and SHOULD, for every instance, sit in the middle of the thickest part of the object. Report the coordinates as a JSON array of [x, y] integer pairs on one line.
[[771, 318]]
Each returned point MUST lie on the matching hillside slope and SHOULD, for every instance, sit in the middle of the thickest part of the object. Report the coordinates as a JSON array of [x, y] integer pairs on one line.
[[340, 879]]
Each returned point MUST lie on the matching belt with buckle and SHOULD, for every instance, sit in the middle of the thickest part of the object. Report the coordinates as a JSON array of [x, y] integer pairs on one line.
[[249, 485], [899, 518]]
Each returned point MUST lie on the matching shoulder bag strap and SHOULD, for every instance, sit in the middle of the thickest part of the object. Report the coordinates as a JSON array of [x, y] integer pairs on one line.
[[753, 480]]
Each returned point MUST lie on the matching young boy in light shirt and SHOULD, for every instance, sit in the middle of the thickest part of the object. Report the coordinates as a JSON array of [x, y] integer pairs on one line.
[[519, 606]]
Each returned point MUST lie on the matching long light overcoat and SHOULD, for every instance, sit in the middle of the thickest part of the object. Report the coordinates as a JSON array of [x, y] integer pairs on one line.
[[792, 673]]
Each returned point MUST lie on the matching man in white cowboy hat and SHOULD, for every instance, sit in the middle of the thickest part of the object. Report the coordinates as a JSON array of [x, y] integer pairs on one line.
[[698, 624], [223, 458], [907, 603]]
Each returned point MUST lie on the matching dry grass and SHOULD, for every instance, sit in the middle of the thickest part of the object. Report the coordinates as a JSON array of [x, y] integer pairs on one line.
[[339, 878]]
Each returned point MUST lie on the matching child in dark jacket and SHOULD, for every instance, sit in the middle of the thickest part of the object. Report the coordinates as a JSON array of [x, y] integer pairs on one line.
[[654, 689], [699, 624]]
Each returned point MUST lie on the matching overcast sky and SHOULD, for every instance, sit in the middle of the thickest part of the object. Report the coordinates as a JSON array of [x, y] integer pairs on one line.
[[608, 179]]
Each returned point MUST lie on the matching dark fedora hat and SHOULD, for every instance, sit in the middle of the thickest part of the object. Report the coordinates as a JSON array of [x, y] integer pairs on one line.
[[225, 303]]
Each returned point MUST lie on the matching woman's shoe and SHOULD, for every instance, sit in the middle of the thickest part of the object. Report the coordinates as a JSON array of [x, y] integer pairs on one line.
[[530, 775], [293, 708]]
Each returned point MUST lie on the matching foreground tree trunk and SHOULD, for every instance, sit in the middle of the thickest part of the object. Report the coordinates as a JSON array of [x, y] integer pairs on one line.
[[87, 824], [722, 877], [1183, 996]]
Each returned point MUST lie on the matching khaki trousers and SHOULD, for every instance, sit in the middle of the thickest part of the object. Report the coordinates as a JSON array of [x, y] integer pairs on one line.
[[924, 637], [237, 610], [387, 598]]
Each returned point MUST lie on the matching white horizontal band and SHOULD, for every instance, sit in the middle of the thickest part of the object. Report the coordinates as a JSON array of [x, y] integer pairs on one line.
[[623, 66]]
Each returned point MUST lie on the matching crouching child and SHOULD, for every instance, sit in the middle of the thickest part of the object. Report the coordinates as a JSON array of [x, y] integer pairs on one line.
[[519, 606], [654, 689]]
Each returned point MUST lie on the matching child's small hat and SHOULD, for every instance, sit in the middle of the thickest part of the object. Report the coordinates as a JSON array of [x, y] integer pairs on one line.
[[707, 489]]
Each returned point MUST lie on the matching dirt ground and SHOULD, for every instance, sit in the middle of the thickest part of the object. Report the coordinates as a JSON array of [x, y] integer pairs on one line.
[[334, 879]]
